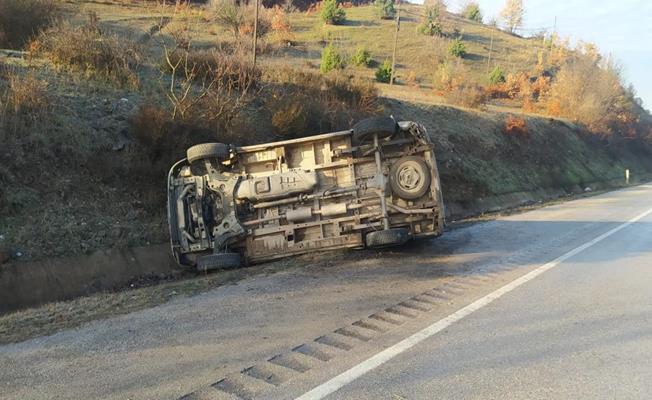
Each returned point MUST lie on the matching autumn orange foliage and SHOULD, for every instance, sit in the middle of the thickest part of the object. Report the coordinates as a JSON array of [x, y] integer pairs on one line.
[[515, 126]]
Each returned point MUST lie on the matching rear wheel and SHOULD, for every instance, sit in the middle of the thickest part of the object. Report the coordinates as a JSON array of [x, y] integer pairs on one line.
[[387, 237], [409, 177], [364, 130], [218, 261], [219, 151]]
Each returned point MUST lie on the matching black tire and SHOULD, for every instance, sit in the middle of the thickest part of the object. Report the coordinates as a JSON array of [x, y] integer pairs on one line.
[[218, 261], [387, 237], [364, 130], [220, 151], [409, 177]]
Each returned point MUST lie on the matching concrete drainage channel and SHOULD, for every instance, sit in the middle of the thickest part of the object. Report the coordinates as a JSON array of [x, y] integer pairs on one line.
[[28, 284], [258, 380]]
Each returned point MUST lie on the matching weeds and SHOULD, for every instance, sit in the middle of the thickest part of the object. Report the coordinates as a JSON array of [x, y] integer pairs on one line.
[[20, 20], [89, 50], [25, 97]]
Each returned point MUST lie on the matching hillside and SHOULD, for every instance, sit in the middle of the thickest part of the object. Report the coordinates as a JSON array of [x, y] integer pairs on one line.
[[417, 53], [94, 114]]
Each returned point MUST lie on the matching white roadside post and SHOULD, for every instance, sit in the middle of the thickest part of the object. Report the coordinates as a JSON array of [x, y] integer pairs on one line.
[[627, 176]]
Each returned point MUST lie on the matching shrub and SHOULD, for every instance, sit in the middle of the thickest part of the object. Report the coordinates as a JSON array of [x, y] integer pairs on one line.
[[361, 57], [448, 76], [148, 125], [431, 24], [303, 103], [228, 14], [496, 76], [238, 17], [232, 69], [384, 72], [264, 20], [471, 11], [87, 49], [291, 120], [214, 85], [20, 20], [280, 25], [515, 126], [457, 48], [161, 139], [331, 14], [288, 6], [24, 97], [330, 59], [411, 79], [592, 94], [385, 8], [470, 95]]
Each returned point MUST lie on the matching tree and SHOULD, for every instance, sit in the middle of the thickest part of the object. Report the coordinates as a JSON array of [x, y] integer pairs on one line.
[[497, 76], [472, 11], [385, 8], [512, 14], [361, 57], [457, 48], [330, 59], [331, 13], [431, 24], [384, 72]]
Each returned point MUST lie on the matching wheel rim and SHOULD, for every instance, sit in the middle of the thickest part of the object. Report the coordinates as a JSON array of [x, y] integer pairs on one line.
[[410, 177]]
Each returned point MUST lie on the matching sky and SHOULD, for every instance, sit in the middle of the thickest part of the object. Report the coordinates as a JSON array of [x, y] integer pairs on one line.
[[621, 28]]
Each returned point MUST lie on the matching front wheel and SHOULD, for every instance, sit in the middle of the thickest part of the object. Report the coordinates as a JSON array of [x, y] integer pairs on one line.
[[219, 151]]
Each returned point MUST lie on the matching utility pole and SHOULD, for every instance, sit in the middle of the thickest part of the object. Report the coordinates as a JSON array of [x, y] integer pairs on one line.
[[398, 27], [255, 34], [552, 38], [491, 48]]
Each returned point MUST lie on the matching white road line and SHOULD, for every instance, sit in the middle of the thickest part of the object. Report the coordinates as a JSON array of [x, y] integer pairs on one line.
[[354, 373]]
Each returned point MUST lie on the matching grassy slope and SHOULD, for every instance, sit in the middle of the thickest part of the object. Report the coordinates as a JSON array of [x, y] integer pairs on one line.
[[416, 52], [91, 210], [477, 160]]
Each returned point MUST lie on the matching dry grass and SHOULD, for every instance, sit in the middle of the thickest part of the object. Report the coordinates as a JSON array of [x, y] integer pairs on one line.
[[25, 116], [25, 97], [89, 50], [20, 20], [467, 95], [304, 102]]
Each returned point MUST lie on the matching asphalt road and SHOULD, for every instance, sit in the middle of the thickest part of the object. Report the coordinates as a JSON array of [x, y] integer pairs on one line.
[[582, 330], [579, 329]]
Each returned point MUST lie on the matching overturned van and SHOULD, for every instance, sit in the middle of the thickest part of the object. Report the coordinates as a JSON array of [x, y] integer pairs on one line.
[[374, 185]]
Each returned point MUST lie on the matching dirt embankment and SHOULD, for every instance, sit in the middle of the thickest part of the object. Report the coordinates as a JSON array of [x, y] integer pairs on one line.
[[93, 197], [485, 169]]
